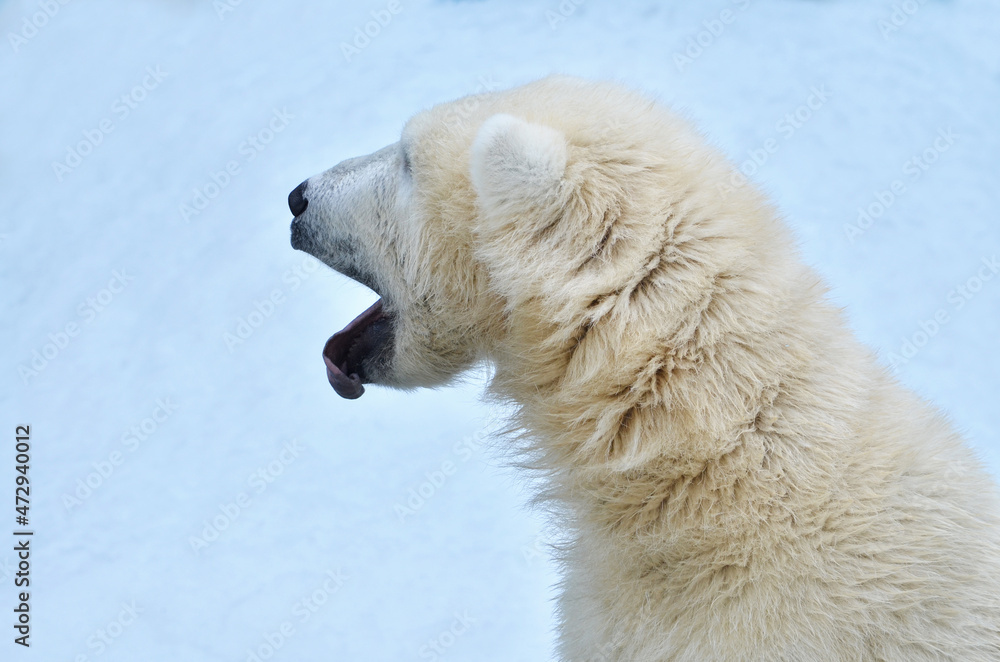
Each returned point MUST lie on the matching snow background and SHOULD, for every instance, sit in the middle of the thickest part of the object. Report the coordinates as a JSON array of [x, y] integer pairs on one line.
[[472, 550]]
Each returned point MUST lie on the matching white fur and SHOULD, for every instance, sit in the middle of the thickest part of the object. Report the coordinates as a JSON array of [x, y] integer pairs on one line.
[[514, 162], [736, 476]]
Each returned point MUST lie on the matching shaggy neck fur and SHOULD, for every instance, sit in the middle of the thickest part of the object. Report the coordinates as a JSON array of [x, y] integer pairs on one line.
[[703, 417], [734, 475], [664, 389]]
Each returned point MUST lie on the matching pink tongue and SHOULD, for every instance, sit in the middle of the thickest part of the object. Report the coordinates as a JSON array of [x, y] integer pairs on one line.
[[346, 386], [336, 349]]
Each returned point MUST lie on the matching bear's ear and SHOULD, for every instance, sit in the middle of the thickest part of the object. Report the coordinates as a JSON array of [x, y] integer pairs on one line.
[[516, 164]]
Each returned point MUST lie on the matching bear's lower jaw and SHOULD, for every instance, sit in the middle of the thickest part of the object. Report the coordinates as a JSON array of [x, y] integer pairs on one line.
[[366, 341]]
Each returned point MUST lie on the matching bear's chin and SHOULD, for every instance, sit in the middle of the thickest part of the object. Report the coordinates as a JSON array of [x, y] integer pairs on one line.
[[354, 354]]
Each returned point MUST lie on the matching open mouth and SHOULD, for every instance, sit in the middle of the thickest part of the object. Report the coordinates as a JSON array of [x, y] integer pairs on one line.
[[364, 341]]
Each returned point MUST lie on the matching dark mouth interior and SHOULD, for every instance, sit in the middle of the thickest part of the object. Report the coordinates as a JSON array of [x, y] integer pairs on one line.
[[346, 349]]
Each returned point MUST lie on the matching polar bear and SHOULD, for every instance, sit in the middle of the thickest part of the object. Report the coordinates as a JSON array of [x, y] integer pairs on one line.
[[737, 477]]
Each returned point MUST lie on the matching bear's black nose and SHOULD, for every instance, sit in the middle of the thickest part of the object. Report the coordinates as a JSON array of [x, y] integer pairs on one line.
[[296, 200]]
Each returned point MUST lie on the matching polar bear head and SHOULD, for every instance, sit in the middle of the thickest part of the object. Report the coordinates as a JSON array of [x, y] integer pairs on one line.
[[504, 227]]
